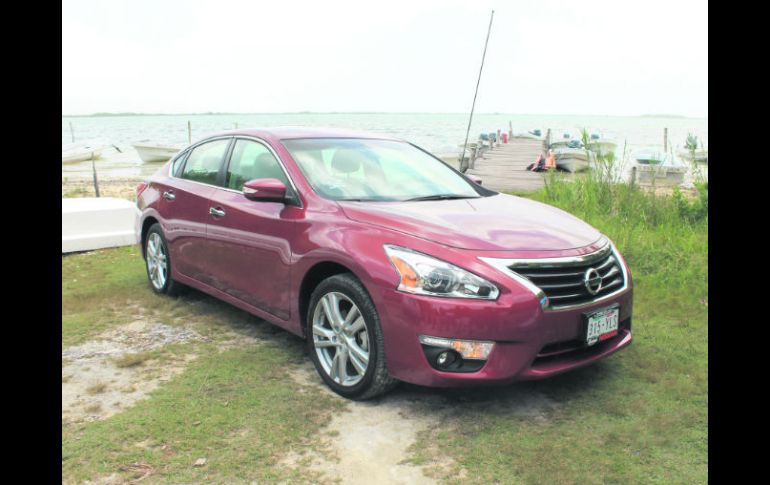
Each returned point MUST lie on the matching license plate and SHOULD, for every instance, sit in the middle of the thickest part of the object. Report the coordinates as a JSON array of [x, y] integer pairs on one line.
[[602, 324]]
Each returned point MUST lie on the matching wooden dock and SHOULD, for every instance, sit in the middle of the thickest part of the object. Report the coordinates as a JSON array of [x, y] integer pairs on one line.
[[504, 168]]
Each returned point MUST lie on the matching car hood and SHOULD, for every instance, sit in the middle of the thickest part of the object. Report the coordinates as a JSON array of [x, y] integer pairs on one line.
[[497, 223]]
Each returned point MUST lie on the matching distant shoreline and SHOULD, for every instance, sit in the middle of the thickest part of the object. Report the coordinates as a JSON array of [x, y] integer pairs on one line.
[[126, 114]]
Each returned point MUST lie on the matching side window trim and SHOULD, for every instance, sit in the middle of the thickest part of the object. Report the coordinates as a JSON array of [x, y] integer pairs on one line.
[[222, 175], [291, 190], [191, 148], [177, 166]]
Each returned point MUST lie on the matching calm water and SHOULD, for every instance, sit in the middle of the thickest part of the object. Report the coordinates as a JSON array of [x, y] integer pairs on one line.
[[438, 133]]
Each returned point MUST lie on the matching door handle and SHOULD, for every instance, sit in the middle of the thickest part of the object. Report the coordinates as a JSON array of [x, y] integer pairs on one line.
[[169, 195], [216, 212]]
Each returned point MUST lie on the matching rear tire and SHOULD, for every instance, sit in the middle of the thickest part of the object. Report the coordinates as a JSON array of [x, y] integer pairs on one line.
[[345, 339], [158, 263]]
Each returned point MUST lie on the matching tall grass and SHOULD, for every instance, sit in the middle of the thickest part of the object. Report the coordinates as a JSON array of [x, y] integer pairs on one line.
[[663, 237]]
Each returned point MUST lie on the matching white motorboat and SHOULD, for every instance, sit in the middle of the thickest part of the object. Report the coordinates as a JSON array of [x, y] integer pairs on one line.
[[601, 145], [79, 152], [573, 159], [156, 152], [536, 134], [565, 139], [654, 167]]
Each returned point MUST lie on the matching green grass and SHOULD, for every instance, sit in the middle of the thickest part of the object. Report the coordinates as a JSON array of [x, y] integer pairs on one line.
[[236, 407], [640, 416]]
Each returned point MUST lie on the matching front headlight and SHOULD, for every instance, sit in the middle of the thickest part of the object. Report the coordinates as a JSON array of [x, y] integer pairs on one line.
[[424, 275]]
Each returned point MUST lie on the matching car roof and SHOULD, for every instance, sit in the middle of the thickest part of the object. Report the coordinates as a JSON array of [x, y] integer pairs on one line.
[[278, 133]]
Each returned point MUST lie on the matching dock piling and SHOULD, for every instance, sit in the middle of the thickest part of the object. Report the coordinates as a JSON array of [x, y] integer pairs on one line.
[[665, 139], [189, 132], [72, 133]]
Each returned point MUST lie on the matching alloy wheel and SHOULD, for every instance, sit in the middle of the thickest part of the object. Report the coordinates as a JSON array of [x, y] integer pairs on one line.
[[340, 339], [157, 262]]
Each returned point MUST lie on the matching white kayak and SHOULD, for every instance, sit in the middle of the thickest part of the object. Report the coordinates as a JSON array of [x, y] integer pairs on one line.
[[156, 152]]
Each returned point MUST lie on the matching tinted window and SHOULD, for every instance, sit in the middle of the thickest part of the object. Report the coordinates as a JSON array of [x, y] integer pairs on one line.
[[204, 162], [251, 160]]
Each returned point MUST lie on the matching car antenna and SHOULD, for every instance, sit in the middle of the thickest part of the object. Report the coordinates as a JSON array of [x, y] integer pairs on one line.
[[470, 120]]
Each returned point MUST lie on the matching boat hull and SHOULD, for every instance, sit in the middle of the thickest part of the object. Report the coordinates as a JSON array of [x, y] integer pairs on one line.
[[81, 155], [155, 153], [659, 175], [573, 159]]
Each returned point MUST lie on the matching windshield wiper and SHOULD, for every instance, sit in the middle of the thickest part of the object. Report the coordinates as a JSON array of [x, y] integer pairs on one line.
[[441, 197]]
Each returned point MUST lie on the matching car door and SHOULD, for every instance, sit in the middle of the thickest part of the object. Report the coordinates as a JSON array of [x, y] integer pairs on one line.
[[184, 205], [250, 240]]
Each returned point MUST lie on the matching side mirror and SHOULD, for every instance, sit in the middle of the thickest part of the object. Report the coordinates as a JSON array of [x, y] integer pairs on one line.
[[265, 190], [474, 179]]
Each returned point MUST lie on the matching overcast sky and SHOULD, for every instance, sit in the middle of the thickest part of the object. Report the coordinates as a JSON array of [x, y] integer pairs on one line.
[[612, 57]]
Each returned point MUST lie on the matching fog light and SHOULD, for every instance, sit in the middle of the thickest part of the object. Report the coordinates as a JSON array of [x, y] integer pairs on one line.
[[446, 359], [468, 349]]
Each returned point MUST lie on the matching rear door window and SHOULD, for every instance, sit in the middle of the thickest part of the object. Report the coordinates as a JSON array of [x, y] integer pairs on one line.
[[205, 162]]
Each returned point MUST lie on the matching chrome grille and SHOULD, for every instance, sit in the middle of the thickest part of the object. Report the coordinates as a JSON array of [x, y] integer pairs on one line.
[[563, 280], [560, 282]]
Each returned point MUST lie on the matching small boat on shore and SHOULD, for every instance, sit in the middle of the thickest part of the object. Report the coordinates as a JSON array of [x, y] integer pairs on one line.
[[156, 152], [573, 159], [658, 168], [80, 152]]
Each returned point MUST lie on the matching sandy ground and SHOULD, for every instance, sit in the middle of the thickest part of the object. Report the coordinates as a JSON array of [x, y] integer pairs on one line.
[[95, 386], [374, 437], [121, 187]]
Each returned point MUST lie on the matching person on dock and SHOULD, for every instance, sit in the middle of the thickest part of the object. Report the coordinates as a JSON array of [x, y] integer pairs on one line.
[[544, 163]]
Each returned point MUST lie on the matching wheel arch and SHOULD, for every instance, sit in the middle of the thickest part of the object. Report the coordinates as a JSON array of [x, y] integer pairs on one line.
[[146, 225], [312, 278]]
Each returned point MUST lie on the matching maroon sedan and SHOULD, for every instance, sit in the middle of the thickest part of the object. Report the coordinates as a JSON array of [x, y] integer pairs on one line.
[[391, 264]]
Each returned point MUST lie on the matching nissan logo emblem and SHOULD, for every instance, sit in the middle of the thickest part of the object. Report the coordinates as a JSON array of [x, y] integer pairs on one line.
[[593, 281]]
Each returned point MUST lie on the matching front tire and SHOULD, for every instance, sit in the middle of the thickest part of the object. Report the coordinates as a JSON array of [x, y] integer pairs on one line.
[[158, 263], [345, 339]]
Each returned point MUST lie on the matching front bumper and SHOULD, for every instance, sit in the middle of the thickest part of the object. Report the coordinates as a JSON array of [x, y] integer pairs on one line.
[[530, 343]]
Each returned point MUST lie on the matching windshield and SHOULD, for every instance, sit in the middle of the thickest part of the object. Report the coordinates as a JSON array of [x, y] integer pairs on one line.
[[376, 170]]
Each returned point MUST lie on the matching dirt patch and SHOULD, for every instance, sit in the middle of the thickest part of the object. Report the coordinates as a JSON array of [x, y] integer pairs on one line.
[[96, 386], [121, 187], [373, 439]]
